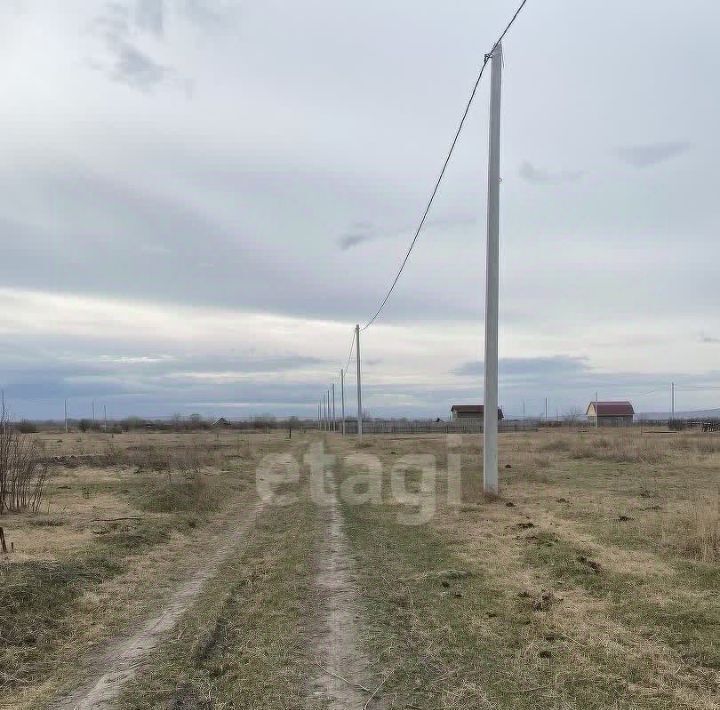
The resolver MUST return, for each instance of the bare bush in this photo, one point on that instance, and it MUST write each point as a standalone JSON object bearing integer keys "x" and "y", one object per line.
{"x": 22, "y": 471}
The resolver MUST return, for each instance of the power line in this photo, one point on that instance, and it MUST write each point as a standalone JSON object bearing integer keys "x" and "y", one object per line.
{"x": 352, "y": 345}
{"x": 445, "y": 164}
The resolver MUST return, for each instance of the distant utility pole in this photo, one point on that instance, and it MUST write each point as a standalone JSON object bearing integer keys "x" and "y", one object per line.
{"x": 329, "y": 420}
{"x": 333, "y": 408}
{"x": 672, "y": 401}
{"x": 492, "y": 283}
{"x": 319, "y": 418}
{"x": 359, "y": 383}
{"x": 546, "y": 408}
{"x": 105, "y": 415}
{"x": 523, "y": 409}
{"x": 597, "y": 418}
{"x": 66, "y": 419}
{"x": 93, "y": 411}
{"x": 342, "y": 399}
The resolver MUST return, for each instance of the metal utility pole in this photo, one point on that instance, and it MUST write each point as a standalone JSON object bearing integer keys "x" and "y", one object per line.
{"x": 492, "y": 284}
{"x": 342, "y": 399}
{"x": 333, "y": 408}
{"x": 359, "y": 383}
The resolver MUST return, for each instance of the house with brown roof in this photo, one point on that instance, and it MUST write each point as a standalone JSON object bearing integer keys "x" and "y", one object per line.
{"x": 471, "y": 411}
{"x": 610, "y": 413}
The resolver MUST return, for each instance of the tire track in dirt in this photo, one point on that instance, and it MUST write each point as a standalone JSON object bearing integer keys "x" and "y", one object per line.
{"x": 343, "y": 678}
{"x": 119, "y": 661}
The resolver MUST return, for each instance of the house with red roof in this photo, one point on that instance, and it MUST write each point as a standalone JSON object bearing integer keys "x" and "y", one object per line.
{"x": 610, "y": 413}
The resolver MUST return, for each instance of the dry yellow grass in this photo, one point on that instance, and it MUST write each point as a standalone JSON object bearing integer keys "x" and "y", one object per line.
{"x": 115, "y": 536}
{"x": 599, "y": 558}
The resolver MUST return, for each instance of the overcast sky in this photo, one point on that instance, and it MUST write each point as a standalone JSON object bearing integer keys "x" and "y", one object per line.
{"x": 200, "y": 198}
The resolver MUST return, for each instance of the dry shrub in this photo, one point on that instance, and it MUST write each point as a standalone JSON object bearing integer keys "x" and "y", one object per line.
{"x": 22, "y": 470}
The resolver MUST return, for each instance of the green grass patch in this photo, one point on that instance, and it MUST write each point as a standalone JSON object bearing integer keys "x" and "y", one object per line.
{"x": 243, "y": 643}
{"x": 36, "y": 599}
{"x": 691, "y": 626}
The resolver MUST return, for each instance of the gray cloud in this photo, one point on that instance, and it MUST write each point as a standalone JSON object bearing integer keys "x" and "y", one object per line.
{"x": 362, "y": 232}
{"x": 150, "y": 15}
{"x": 359, "y": 233}
{"x": 136, "y": 68}
{"x": 292, "y": 184}
{"x": 128, "y": 63}
{"x": 537, "y": 367}
{"x": 644, "y": 156}
{"x": 539, "y": 176}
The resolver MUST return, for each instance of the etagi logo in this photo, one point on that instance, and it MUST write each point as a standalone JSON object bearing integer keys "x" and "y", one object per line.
{"x": 413, "y": 480}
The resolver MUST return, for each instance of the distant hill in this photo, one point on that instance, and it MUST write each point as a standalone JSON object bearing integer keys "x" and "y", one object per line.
{"x": 694, "y": 414}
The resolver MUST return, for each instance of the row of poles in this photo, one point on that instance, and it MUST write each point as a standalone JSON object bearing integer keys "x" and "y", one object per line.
{"x": 327, "y": 419}
{"x": 67, "y": 420}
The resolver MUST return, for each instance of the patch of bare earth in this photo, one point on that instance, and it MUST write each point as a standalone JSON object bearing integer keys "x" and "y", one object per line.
{"x": 119, "y": 660}
{"x": 343, "y": 679}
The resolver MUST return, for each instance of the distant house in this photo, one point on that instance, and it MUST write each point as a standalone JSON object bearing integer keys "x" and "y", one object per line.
{"x": 221, "y": 422}
{"x": 471, "y": 411}
{"x": 610, "y": 413}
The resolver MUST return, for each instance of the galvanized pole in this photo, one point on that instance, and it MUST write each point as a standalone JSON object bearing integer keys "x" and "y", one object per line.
{"x": 333, "y": 408}
{"x": 359, "y": 383}
{"x": 342, "y": 399}
{"x": 492, "y": 284}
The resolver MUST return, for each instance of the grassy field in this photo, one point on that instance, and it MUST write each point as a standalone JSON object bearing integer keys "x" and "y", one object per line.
{"x": 124, "y": 520}
{"x": 591, "y": 582}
